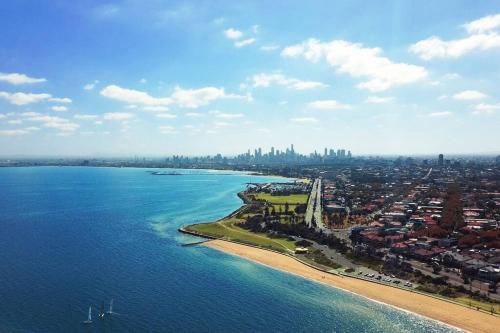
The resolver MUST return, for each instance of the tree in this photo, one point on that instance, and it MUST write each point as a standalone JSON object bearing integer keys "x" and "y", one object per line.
{"x": 452, "y": 211}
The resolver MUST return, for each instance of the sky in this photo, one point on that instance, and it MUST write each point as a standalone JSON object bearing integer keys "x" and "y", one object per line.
{"x": 156, "y": 78}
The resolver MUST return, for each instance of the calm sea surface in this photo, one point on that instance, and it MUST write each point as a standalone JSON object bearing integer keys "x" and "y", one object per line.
{"x": 72, "y": 237}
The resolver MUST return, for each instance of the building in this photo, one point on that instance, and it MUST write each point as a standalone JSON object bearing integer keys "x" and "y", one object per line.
{"x": 441, "y": 160}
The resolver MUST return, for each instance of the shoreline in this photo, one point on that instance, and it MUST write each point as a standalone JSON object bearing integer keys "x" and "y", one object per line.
{"x": 457, "y": 316}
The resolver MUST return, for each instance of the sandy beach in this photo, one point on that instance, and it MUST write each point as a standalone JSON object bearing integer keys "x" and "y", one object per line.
{"x": 452, "y": 314}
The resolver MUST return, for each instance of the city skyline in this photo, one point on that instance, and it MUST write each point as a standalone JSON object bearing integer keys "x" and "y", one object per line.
{"x": 181, "y": 78}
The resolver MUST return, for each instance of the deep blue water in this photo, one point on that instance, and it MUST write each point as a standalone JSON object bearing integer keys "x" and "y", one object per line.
{"x": 72, "y": 237}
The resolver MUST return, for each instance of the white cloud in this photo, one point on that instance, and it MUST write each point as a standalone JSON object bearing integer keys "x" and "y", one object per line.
{"x": 219, "y": 124}
{"x": 358, "y": 61}
{"x": 269, "y": 47}
{"x": 440, "y": 114}
{"x": 244, "y": 42}
{"x": 434, "y": 47}
{"x": 483, "y": 24}
{"x": 60, "y": 100}
{"x": 59, "y": 123}
{"x": 117, "y": 116}
{"x": 233, "y": 33}
{"x": 88, "y": 117}
{"x": 166, "y": 116}
{"x": 18, "y": 79}
{"x": 15, "y": 121}
{"x": 486, "y": 108}
{"x": 2, "y": 116}
{"x": 167, "y": 129}
{"x": 482, "y": 36}
{"x": 328, "y": 104}
{"x": 194, "y": 114}
{"x": 255, "y": 28}
{"x": 223, "y": 115}
{"x": 59, "y": 108}
{"x": 155, "y": 108}
{"x": 468, "y": 95}
{"x": 30, "y": 114}
{"x": 32, "y": 128}
{"x": 194, "y": 98}
{"x": 265, "y": 80}
{"x": 133, "y": 96}
{"x": 90, "y": 86}
{"x": 21, "y": 98}
{"x": 304, "y": 120}
{"x": 15, "y": 132}
{"x": 379, "y": 99}
{"x": 186, "y": 98}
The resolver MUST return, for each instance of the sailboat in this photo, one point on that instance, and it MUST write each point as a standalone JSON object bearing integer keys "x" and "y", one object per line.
{"x": 110, "y": 307}
{"x": 89, "y": 319}
{"x": 101, "y": 310}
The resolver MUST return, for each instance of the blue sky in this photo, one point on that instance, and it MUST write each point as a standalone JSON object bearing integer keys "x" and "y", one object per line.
{"x": 204, "y": 77}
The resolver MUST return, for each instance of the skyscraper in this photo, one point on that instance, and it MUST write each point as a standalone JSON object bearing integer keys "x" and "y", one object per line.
{"x": 441, "y": 160}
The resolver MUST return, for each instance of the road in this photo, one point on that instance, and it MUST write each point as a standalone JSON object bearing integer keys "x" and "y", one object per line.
{"x": 314, "y": 208}
{"x": 311, "y": 203}
{"x": 428, "y": 174}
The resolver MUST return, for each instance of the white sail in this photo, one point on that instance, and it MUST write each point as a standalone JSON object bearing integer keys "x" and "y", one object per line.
{"x": 111, "y": 306}
{"x": 89, "y": 318}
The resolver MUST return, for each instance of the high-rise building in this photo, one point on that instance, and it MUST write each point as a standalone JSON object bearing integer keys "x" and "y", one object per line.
{"x": 440, "y": 159}
{"x": 272, "y": 151}
{"x": 326, "y": 152}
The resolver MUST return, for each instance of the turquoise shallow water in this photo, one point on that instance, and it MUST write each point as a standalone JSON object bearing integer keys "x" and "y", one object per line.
{"x": 73, "y": 237}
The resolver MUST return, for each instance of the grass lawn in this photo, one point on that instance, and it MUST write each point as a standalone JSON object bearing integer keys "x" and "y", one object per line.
{"x": 282, "y": 199}
{"x": 229, "y": 229}
{"x": 478, "y": 304}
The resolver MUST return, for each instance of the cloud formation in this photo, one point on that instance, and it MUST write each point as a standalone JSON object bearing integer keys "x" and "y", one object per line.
{"x": 266, "y": 80}
{"x": 18, "y": 79}
{"x": 304, "y": 120}
{"x": 329, "y": 104}
{"x": 21, "y": 98}
{"x": 358, "y": 61}
{"x": 184, "y": 98}
{"x": 117, "y": 116}
{"x": 58, "y": 123}
{"x": 483, "y": 35}
{"x": 233, "y": 33}
{"x": 131, "y": 96}
{"x": 468, "y": 95}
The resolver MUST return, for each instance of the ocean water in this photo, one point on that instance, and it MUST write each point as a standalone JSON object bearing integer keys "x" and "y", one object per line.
{"x": 72, "y": 237}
